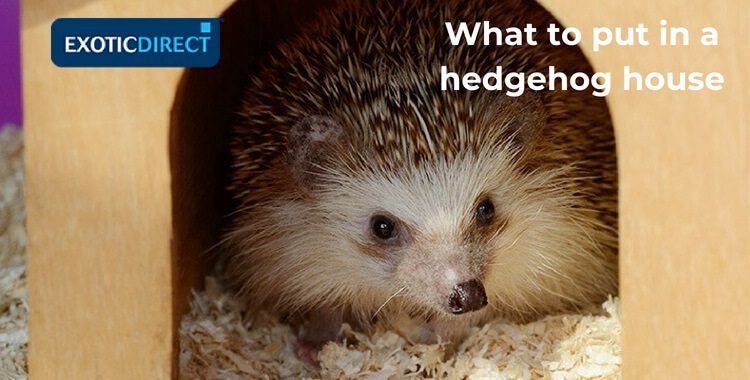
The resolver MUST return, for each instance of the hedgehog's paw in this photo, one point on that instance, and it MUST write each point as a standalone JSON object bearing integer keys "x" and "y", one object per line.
{"x": 308, "y": 352}
{"x": 322, "y": 325}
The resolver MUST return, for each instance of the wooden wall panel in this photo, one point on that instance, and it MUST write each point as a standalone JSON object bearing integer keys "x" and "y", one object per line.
{"x": 684, "y": 162}
{"x": 102, "y": 293}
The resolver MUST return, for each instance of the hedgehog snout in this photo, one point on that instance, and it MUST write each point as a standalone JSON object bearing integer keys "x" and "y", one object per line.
{"x": 466, "y": 297}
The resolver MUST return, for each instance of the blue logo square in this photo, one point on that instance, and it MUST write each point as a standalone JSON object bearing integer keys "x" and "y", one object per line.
{"x": 205, "y": 27}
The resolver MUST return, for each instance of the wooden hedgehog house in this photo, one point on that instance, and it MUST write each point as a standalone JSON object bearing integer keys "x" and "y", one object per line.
{"x": 123, "y": 185}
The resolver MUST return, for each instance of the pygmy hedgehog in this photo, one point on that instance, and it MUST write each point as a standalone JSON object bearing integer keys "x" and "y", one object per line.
{"x": 364, "y": 191}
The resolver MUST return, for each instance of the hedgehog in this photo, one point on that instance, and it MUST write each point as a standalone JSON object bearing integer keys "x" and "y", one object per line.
{"x": 364, "y": 192}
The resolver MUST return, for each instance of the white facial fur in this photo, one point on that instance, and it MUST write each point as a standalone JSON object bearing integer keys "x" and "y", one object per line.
{"x": 539, "y": 260}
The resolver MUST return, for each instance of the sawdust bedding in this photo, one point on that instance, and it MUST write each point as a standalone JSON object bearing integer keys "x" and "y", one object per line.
{"x": 219, "y": 341}
{"x": 14, "y": 308}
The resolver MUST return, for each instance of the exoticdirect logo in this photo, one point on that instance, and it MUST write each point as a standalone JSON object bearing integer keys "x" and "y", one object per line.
{"x": 135, "y": 42}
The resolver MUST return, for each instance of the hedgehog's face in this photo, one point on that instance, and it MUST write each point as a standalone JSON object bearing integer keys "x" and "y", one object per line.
{"x": 434, "y": 230}
{"x": 451, "y": 233}
{"x": 426, "y": 233}
{"x": 434, "y": 258}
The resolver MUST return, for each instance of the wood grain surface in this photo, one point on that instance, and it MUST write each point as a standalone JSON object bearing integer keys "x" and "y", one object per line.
{"x": 102, "y": 291}
{"x": 105, "y": 289}
{"x": 684, "y": 162}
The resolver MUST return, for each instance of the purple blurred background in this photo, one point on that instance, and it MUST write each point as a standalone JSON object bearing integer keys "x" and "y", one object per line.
{"x": 10, "y": 64}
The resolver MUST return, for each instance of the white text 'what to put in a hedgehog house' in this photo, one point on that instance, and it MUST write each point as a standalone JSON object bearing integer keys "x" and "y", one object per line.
{"x": 632, "y": 79}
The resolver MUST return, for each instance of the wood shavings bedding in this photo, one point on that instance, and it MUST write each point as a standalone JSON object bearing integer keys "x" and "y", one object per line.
{"x": 218, "y": 341}
{"x": 14, "y": 307}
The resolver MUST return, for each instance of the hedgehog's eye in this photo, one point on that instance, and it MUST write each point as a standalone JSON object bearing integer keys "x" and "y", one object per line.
{"x": 382, "y": 227}
{"x": 485, "y": 212}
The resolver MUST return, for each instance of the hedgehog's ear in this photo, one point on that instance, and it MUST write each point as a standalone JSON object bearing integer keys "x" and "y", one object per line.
{"x": 310, "y": 143}
{"x": 521, "y": 119}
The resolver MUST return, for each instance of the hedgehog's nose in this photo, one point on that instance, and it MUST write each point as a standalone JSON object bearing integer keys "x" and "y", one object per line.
{"x": 467, "y": 297}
